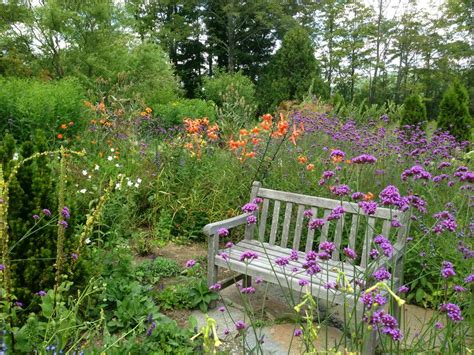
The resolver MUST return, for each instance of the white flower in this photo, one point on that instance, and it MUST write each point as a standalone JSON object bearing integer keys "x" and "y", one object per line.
{"x": 15, "y": 156}
{"x": 129, "y": 183}
{"x": 109, "y": 158}
{"x": 139, "y": 180}
{"x": 112, "y": 149}
{"x": 137, "y": 185}
{"x": 90, "y": 176}
{"x": 117, "y": 165}
{"x": 118, "y": 186}
{"x": 83, "y": 191}
{"x": 88, "y": 241}
{"x": 84, "y": 172}
{"x": 96, "y": 167}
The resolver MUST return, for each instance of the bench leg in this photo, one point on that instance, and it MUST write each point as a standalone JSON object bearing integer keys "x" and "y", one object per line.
{"x": 247, "y": 281}
{"x": 370, "y": 343}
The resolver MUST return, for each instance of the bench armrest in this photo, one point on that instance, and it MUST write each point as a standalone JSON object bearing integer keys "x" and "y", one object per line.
{"x": 398, "y": 249}
{"x": 211, "y": 228}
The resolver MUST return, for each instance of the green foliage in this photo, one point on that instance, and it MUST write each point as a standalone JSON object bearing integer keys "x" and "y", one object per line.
{"x": 201, "y": 296}
{"x": 27, "y": 105}
{"x": 291, "y": 72}
{"x": 414, "y": 111}
{"x": 150, "y": 271}
{"x": 454, "y": 112}
{"x": 173, "y": 113}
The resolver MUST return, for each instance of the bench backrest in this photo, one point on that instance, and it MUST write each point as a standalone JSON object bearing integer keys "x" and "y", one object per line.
{"x": 281, "y": 221}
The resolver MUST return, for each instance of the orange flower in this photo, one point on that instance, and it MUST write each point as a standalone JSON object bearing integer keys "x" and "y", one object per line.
{"x": 310, "y": 167}
{"x": 250, "y": 155}
{"x": 243, "y": 132}
{"x": 302, "y": 159}
{"x": 348, "y": 161}
{"x": 93, "y": 121}
{"x": 101, "y": 106}
{"x": 267, "y": 117}
{"x": 337, "y": 159}
{"x": 369, "y": 196}
{"x": 256, "y": 141}
{"x": 60, "y": 136}
{"x": 64, "y": 126}
{"x": 266, "y": 126}
{"x": 255, "y": 130}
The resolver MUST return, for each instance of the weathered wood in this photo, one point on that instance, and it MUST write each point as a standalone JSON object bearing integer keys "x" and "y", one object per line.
{"x": 349, "y": 207}
{"x": 263, "y": 220}
{"x": 386, "y": 228}
{"x": 310, "y": 236}
{"x": 286, "y": 225}
{"x": 369, "y": 232}
{"x": 353, "y": 232}
{"x": 212, "y": 247}
{"x": 298, "y": 227}
{"x": 230, "y": 280}
{"x": 325, "y": 229}
{"x": 276, "y": 217}
{"x": 229, "y": 223}
{"x": 338, "y": 238}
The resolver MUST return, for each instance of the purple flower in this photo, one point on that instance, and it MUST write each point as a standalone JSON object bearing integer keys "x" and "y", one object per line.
{"x": 417, "y": 172}
{"x": 250, "y": 207}
{"x": 336, "y": 213}
{"x": 251, "y": 219}
{"x": 229, "y": 245}
{"x": 282, "y": 261}
{"x": 190, "y": 263}
{"x": 41, "y": 293}
{"x": 458, "y": 288}
{"x": 248, "y": 290}
{"x": 298, "y": 332}
{"x": 337, "y": 155}
{"x": 65, "y": 212}
{"x": 439, "y": 325}
{"x": 316, "y": 223}
{"x": 453, "y": 311}
{"x": 258, "y": 280}
{"x": 382, "y": 274}
{"x": 391, "y": 196}
{"x": 369, "y": 207}
{"x": 223, "y": 232}
{"x": 248, "y": 255}
{"x": 64, "y": 224}
{"x": 374, "y": 254}
{"x": 226, "y": 332}
{"x": 224, "y": 255}
{"x": 350, "y": 253}
{"x": 294, "y": 255}
{"x": 331, "y": 285}
{"x": 46, "y": 212}
{"x": 150, "y": 330}
{"x": 221, "y": 309}
{"x": 447, "y": 270}
{"x": 403, "y": 289}
{"x": 308, "y": 213}
{"x": 364, "y": 159}
{"x": 74, "y": 256}
{"x": 341, "y": 190}
{"x": 303, "y": 282}
{"x": 215, "y": 287}
{"x": 328, "y": 247}
{"x": 240, "y": 325}
{"x": 357, "y": 196}
{"x": 395, "y": 223}
{"x": 19, "y": 304}
{"x": 469, "y": 279}
{"x": 2, "y": 267}
{"x": 257, "y": 200}
{"x": 36, "y": 217}
{"x": 328, "y": 174}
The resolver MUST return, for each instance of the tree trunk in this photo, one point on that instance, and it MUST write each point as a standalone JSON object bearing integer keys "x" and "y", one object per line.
{"x": 377, "y": 61}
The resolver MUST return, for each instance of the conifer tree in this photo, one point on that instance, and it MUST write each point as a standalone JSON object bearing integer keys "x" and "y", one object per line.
{"x": 414, "y": 111}
{"x": 454, "y": 112}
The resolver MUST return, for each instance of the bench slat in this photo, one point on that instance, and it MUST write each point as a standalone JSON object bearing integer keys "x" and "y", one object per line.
{"x": 263, "y": 220}
{"x": 350, "y": 207}
{"x": 325, "y": 229}
{"x": 276, "y": 216}
{"x": 353, "y": 232}
{"x": 386, "y": 228}
{"x": 310, "y": 236}
{"x": 338, "y": 238}
{"x": 299, "y": 227}
{"x": 369, "y": 232}
{"x": 286, "y": 225}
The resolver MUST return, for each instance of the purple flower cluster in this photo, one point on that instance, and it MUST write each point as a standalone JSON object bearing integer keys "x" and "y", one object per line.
{"x": 382, "y": 274}
{"x": 364, "y": 159}
{"x": 310, "y": 265}
{"x": 65, "y": 212}
{"x": 325, "y": 250}
{"x": 250, "y": 207}
{"x": 357, "y": 196}
{"x": 215, "y": 287}
{"x": 369, "y": 207}
{"x": 446, "y": 222}
{"x": 308, "y": 213}
{"x": 46, "y": 212}
{"x": 338, "y": 154}
{"x": 282, "y": 261}
{"x": 453, "y": 311}
{"x": 294, "y": 255}
{"x": 417, "y": 172}
{"x": 384, "y": 244}
{"x": 350, "y": 253}
{"x": 388, "y": 323}
{"x": 336, "y": 213}
{"x": 373, "y": 299}
{"x": 223, "y": 232}
{"x": 341, "y": 190}
{"x": 248, "y": 255}
{"x": 251, "y": 219}
{"x": 316, "y": 223}
{"x": 240, "y": 325}
{"x": 390, "y": 196}
{"x": 247, "y": 290}
{"x": 447, "y": 270}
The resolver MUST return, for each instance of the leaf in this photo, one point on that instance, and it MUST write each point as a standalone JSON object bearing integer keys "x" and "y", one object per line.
{"x": 419, "y": 295}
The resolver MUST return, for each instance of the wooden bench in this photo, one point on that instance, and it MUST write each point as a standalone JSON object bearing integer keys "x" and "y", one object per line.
{"x": 277, "y": 232}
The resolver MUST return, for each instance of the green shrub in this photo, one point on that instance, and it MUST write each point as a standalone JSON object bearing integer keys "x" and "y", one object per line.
{"x": 150, "y": 271}
{"x": 414, "y": 111}
{"x": 454, "y": 112}
{"x": 27, "y": 105}
{"x": 173, "y": 113}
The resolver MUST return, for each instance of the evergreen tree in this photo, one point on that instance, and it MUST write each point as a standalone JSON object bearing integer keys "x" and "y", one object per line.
{"x": 291, "y": 72}
{"x": 454, "y": 112}
{"x": 414, "y": 111}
